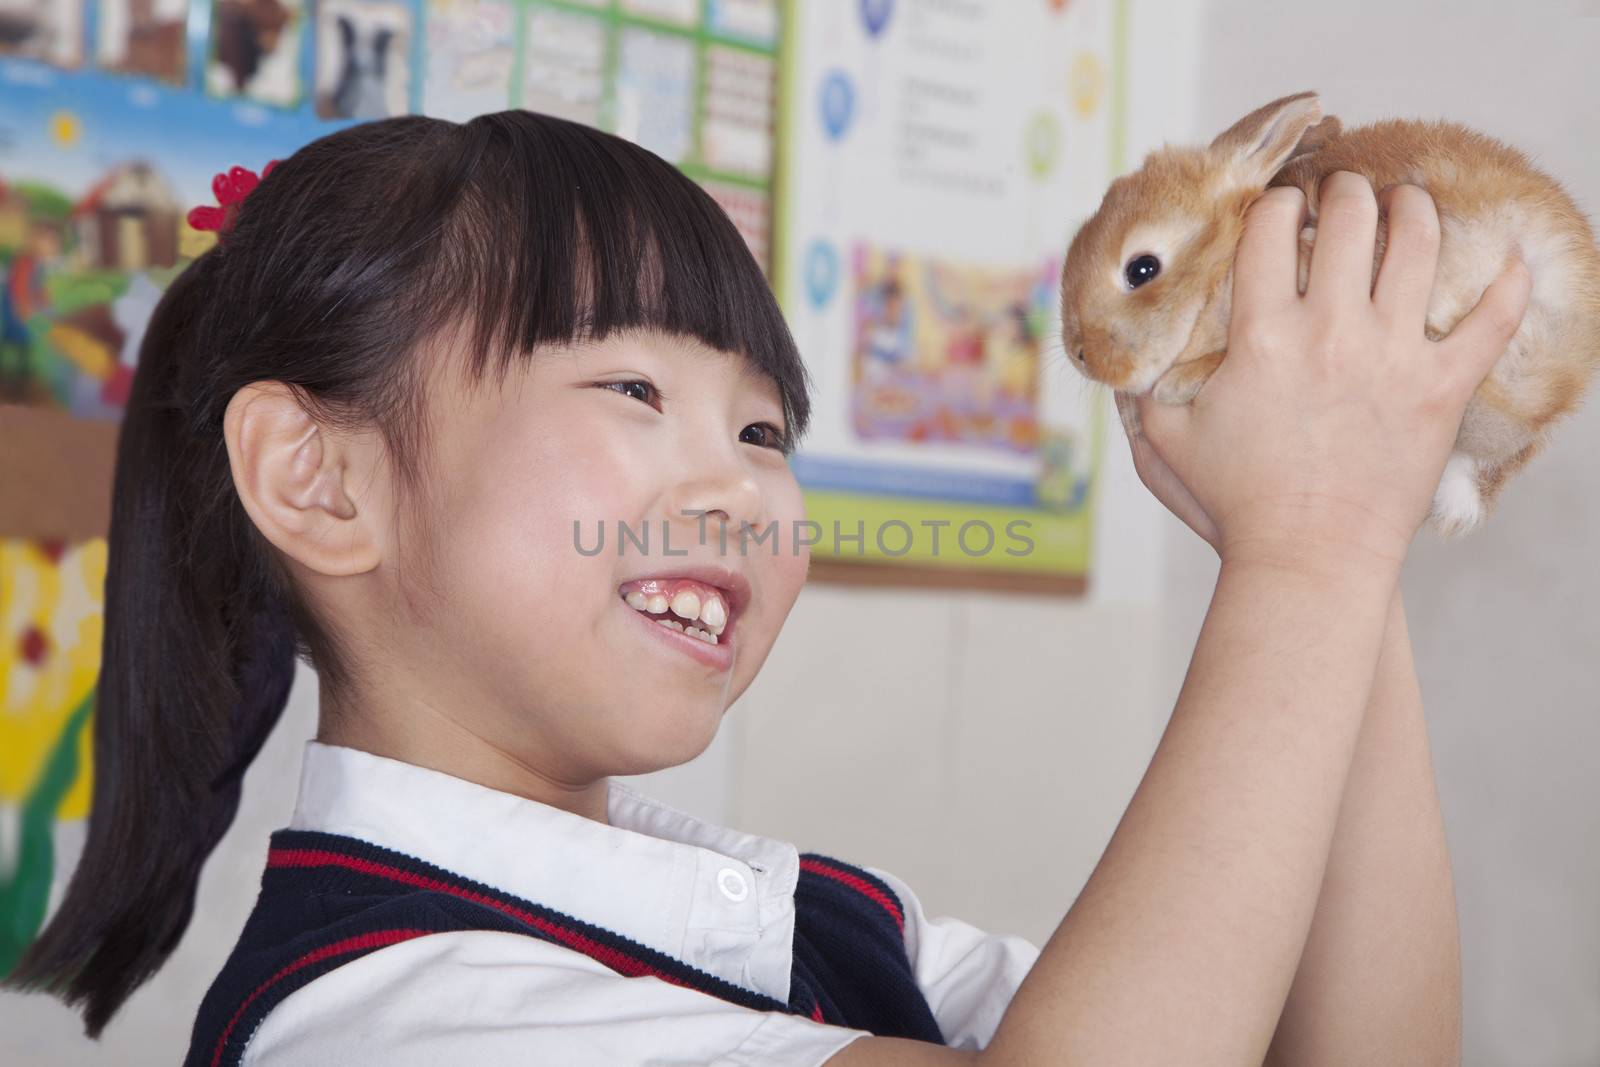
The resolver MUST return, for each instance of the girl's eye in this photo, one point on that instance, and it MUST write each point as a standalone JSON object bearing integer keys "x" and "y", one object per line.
{"x": 639, "y": 390}
{"x": 765, "y": 435}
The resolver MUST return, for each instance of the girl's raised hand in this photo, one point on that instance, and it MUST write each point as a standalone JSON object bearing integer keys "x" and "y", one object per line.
{"x": 1322, "y": 436}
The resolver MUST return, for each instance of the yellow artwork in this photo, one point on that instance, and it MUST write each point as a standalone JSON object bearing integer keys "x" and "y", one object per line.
{"x": 51, "y": 599}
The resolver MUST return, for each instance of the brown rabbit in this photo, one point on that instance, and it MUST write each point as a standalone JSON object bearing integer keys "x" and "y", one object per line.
{"x": 1148, "y": 279}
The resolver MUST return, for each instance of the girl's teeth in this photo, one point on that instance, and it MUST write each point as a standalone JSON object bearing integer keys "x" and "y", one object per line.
{"x": 686, "y": 605}
{"x": 702, "y": 619}
{"x": 692, "y": 631}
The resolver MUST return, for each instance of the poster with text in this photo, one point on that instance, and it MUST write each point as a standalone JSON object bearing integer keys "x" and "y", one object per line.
{"x": 937, "y": 157}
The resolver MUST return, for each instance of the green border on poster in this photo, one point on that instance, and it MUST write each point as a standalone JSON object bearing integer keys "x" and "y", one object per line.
{"x": 616, "y": 20}
{"x": 1061, "y": 542}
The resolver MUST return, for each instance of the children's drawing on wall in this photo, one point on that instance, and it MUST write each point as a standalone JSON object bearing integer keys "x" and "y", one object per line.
{"x": 48, "y": 30}
{"x": 78, "y": 277}
{"x": 255, "y": 50}
{"x": 363, "y": 59}
{"x": 145, "y": 37}
{"x": 947, "y": 353}
{"x": 51, "y": 599}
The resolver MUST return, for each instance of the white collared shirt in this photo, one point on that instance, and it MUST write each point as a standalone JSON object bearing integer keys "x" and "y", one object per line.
{"x": 715, "y": 898}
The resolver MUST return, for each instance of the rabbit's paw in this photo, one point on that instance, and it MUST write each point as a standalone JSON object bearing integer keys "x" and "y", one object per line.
{"x": 1458, "y": 503}
{"x": 1183, "y": 380}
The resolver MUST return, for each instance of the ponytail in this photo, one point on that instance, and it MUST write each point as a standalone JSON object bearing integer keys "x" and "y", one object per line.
{"x": 194, "y": 623}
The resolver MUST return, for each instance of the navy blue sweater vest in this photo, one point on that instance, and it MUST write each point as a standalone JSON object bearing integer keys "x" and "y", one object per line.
{"x": 327, "y": 899}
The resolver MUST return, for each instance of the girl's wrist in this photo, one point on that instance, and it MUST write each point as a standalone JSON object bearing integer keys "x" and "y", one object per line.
{"x": 1316, "y": 537}
{"x": 1313, "y": 564}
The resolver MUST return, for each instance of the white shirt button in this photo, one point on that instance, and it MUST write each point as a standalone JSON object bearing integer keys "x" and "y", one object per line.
{"x": 732, "y": 884}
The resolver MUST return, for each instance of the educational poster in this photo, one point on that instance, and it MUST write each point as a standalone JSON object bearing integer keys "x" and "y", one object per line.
{"x": 114, "y": 117}
{"x": 937, "y": 159}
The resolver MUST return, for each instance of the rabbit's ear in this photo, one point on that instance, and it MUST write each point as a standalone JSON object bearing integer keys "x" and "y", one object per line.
{"x": 1258, "y": 145}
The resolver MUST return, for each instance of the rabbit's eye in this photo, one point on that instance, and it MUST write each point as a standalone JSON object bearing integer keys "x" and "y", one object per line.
{"x": 1141, "y": 269}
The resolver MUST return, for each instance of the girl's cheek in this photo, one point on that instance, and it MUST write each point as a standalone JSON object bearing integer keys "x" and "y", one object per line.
{"x": 788, "y": 510}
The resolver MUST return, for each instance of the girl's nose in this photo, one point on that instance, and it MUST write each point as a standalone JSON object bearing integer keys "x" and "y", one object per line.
{"x": 729, "y": 496}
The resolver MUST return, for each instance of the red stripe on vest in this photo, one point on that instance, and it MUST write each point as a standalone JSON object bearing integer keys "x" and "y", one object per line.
{"x": 865, "y": 888}
{"x": 617, "y": 961}
{"x": 375, "y": 939}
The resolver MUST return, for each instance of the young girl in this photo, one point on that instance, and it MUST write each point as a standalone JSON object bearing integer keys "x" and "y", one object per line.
{"x": 490, "y": 422}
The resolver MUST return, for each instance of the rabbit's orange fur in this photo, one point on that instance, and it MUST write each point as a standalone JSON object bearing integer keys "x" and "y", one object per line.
{"x": 1187, "y": 206}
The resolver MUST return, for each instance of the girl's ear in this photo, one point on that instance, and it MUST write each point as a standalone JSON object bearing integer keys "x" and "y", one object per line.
{"x": 293, "y": 475}
{"x": 1258, "y": 145}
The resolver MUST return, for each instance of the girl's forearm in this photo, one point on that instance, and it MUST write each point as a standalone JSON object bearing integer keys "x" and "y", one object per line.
{"x": 1184, "y": 942}
{"x": 1380, "y": 981}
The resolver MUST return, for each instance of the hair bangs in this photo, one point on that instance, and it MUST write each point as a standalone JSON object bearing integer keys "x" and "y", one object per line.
{"x": 566, "y": 234}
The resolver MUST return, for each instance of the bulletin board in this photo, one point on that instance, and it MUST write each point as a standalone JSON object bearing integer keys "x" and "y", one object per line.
{"x": 935, "y": 160}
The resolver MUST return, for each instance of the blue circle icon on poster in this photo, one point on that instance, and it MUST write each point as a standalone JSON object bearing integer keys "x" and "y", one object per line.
{"x": 838, "y": 104}
{"x": 875, "y": 15}
{"x": 822, "y": 273}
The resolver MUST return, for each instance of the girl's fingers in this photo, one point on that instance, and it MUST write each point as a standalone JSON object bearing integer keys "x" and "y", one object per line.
{"x": 1410, "y": 256}
{"x": 1266, "y": 268}
{"x": 1347, "y": 231}
{"x": 1471, "y": 350}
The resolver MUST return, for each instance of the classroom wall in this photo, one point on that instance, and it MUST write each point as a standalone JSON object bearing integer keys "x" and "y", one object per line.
{"x": 1504, "y": 625}
{"x": 984, "y": 746}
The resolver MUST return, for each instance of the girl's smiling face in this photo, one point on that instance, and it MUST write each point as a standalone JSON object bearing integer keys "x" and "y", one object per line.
{"x": 522, "y": 636}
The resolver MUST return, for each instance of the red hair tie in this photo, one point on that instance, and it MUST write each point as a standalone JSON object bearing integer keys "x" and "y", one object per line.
{"x": 230, "y": 189}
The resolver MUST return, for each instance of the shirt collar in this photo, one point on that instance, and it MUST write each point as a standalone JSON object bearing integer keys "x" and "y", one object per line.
{"x": 713, "y": 897}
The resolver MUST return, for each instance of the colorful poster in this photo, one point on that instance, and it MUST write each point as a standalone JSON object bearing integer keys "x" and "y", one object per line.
{"x": 937, "y": 159}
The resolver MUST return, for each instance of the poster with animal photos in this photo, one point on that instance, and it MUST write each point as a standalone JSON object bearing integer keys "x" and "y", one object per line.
{"x": 50, "y": 31}
{"x": 255, "y": 50}
{"x": 936, "y": 159}
{"x": 363, "y": 59}
{"x": 145, "y": 37}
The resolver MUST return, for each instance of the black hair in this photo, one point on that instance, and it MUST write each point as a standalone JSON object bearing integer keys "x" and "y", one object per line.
{"x": 507, "y": 233}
